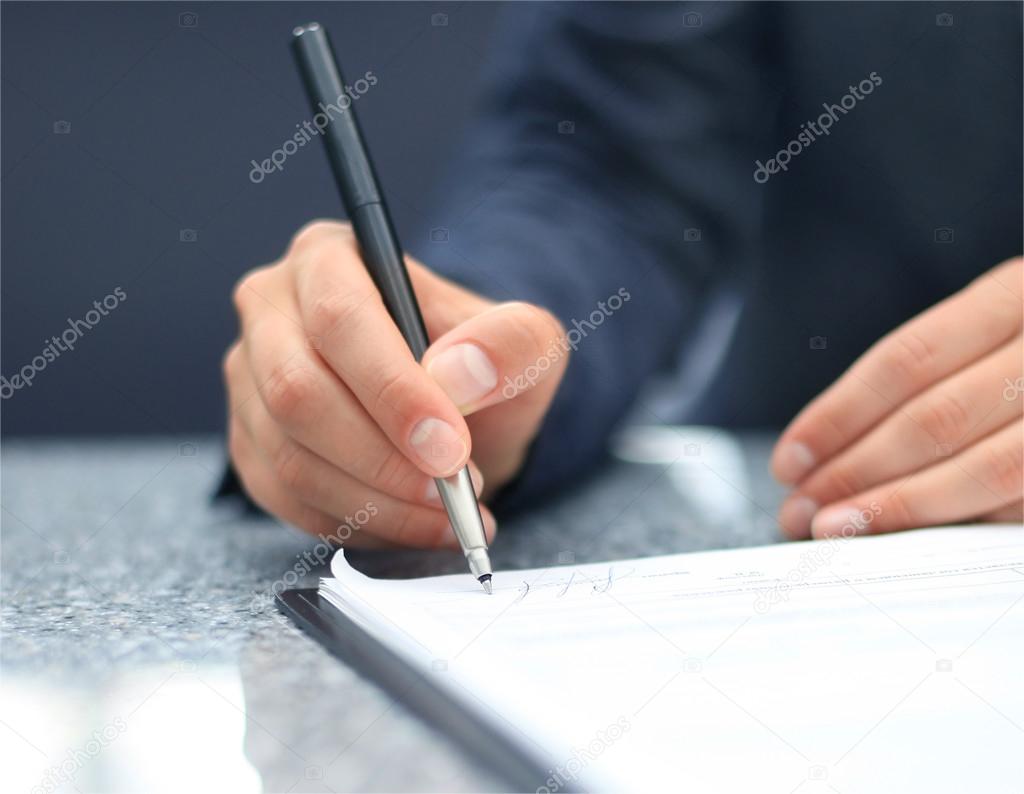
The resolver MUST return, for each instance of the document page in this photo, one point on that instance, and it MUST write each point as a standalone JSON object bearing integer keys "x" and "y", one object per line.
{"x": 887, "y": 663}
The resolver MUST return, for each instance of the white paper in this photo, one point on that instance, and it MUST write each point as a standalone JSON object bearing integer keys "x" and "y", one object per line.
{"x": 888, "y": 663}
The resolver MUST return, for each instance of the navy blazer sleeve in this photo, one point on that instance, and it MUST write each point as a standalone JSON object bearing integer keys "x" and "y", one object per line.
{"x": 612, "y": 157}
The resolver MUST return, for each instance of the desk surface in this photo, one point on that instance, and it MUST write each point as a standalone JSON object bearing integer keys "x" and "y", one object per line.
{"x": 141, "y": 650}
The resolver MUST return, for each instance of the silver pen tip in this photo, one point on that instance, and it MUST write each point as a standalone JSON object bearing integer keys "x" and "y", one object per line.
{"x": 485, "y": 580}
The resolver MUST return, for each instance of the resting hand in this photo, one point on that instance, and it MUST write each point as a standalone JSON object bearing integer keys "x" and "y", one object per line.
{"x": 924, "y": 429}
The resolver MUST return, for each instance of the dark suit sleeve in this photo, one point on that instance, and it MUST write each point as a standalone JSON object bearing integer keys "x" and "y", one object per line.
{"x": 614, "y": 155}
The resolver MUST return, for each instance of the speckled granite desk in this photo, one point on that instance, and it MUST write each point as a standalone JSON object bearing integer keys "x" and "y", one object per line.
{"x": 140, "y": 651}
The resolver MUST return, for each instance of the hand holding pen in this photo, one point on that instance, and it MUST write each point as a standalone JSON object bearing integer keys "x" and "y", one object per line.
{"x": 330, "y": 412}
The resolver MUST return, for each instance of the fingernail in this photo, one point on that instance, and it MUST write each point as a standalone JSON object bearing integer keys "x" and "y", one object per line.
{"x": 796, "y": 514}
{"x": 465, "y": 373}
{"x": 438, "y": 446}
{"x": 839, "y": 521}
{"x": 433, "y": 496}
{"x": 792, "y": 461}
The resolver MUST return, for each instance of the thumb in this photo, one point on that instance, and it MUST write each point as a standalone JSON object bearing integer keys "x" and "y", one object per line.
{"x": 494, "y": 356}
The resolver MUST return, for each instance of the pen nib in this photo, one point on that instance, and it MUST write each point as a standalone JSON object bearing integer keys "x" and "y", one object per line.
{"x": 485, "y": 580}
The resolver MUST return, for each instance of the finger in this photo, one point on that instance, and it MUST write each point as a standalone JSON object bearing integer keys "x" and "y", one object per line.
{"x": 945, "y": 419}
{"x": 259, "y": 484}
{"x": 444, "y": 303}
{"x": 302, "y": 402}
{"x": 341, "y": 307}
{"x": 308, "y": 492}
{"x": 1011, "y": 514}
{"x": 982, "y": 479}
{"x": 303, "y": 395}
{"x": 316, "y": 482}
{"x": 902, "y": 364}
{"x": 497, "y": 355}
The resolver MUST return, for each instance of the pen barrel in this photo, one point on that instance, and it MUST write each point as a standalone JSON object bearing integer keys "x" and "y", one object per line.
{"x": 325, "y": 86}
{"x": 382, "y": 256}
{"x": 357, "y": 182}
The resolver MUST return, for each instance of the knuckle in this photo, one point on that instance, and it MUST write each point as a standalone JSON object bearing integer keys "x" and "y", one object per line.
{"x": 390, "y": 473}
{"x": 1005, "y": 308}
{"x": 906, "y": 359}
{"x": 395, "y": 393}
{"x": 229, "y": 362}
{"x": 830, "y": 426}
{"x": 247, "y": 288}
{"x": 412, "y": 530}
{"x": 293, "y": 471}
{"x": 291, "y": 395}
{"x": 313, "y": 522}
{"x": 236, "y": 448}
{"x": 945, "y": 417}
{"x": 538, "y": 324}
{"x": 842, "y": 478}
{"x": 331, "y": 313}
{"x": 899, "y": 512}
{"x": 318, "y": 230}
{"x": 1003, "y": 471}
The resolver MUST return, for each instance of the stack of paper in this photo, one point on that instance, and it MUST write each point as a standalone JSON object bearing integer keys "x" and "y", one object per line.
{"x": 889, "y": 663}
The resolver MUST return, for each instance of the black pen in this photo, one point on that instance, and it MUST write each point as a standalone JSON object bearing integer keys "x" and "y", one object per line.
{"x": 382, "y": 255}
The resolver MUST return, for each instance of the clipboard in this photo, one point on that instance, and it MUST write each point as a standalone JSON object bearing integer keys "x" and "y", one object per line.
{"x": 344, "y": 639}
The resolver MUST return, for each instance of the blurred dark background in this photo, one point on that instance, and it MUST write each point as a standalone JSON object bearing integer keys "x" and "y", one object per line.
{"x": 128, "y": 131}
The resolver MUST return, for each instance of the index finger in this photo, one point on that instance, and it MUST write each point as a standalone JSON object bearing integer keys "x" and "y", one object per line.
{"x": 899, "y": 366}
{"x": 341, "y": 308}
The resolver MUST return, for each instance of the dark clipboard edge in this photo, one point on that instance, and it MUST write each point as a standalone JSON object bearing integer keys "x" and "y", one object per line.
{"x": 347, "y": 641}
